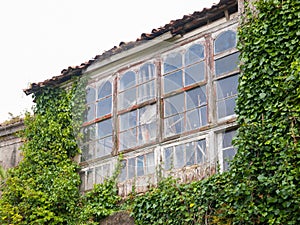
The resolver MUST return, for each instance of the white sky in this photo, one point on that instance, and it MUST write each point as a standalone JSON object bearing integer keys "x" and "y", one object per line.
{"x": 38, "y": 38}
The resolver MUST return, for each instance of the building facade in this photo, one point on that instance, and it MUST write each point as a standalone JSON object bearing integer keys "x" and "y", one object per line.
{"x": 164, "y": 102}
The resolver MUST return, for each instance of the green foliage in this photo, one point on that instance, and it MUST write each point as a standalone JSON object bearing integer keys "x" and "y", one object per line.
{"x": 43, "y": 188}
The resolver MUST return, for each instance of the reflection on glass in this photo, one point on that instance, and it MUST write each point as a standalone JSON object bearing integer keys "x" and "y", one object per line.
{"x": 127, "y": 80}
{"x": 104, "y": 90}
{"x": 194, "y": 74}
{"x": 225, "y": 41}
{"x": 194, "y": 54}
{"x": 104, "y": 107}
{"x": 173, "y": 81}
{"x": 172, "y": 62}
{"x": 227, "y": 64}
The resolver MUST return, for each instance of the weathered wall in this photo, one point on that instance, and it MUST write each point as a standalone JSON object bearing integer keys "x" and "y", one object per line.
{"x": 10, "y": 143}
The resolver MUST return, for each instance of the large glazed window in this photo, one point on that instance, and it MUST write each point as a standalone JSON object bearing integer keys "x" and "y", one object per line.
{"x": 98, "y": 129}
{"x": 187, "y": 154}
{"x": 136, "y": 87}
{"x": 226, "y": 58}
{"x": 183, "y": 69}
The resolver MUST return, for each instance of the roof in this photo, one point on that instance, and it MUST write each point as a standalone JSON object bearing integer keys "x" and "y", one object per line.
{"x": 175, "y": 27}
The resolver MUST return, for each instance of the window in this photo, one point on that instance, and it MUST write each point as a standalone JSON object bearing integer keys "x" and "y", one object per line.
{"x": 227, "y": 149}
{"x": 137, "y": 127}
{"x": 226, "y": 60}
{"x": 182, "y": 70}
{"x": 187, "y": 154}
{"x": 137, "y": 166}
{"x": 185, "y": 111}
{"x": 97, "y": 137}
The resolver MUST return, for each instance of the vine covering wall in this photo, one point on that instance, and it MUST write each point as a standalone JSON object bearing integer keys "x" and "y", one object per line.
{"x": 261, "y": 187}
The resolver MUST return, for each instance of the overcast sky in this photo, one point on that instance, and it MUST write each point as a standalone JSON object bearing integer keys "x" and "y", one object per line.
{"x": 39, "y": 38}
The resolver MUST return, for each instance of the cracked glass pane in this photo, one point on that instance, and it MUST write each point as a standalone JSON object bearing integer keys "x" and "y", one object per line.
{"x": 201, "y": 151}
{"x": 196, "y": 97}
{"x": 225, "y": 41}
{"x": 172, "y": 62}
{"x": 147, "y": 133}
{"x": 174, "y": 105}
{"x": 194, "y": 74}
{"x": 173, "y": 81}
{"x": 194, "y": 54}
{"x": 174, "y": 125}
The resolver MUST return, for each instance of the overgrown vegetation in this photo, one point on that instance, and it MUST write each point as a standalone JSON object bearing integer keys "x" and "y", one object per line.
{"x": 262, "y": 186}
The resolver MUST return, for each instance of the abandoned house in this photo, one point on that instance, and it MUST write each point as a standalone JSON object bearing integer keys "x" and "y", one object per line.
{"x": 165, "y": 101}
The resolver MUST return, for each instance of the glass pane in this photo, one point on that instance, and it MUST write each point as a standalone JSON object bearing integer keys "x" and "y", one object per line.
{"x": 123, "y": 174}
{"x": 227, "y": 87}
{"x": 194, "y": 54}
{"x": 174, "y": 125}
{"x": 89, "y": 133}
{"x": 90, "y": 95}
{"x": 128, "y": 139}
{"x": 147, "y": 114}
{"x": 127, "y": 80}
{"x": 179, "y": 161}
{"x": 104, "y": 147}
{"x": 128, "y": 120}
{"x": 203, "y": 116}
{"x": 90, "y": 112}
{"x": 193, "y": 120}
{"x": 173, "y": 81}
{"x": 104, "y": 128}
{"x": 196, "y": 97}
{"x": 146, "y": 92}
{"x": 174, "y": 105}
{"x": 104, "y": 107}
{"x": 140, "y": 166}
{"x": 226, "y": 107}
{"x": 146, "y": 72}
{"x": 127, "y": 98}
{"x": 227, "y": 64}
{"x": 172, "y": 62}
{"x": 87, "y": 152}
{"x": 102, "y": 173}
{"x": 90, "y": 179}
{"x": 104, "y": 90}
{"x": 150, "y": 163}
{"x": 201, "y": 151}
{"x": 190, "y": 154}
{"x": 131, "y": 168}
{"x": 225, "y": 41}
{"x": 194, "y": 74}
{"x": 227, "y": 138}
{"x": 147, "y": 133}
{"x": 228, "y": 155}
{"x": 168, "y": 158}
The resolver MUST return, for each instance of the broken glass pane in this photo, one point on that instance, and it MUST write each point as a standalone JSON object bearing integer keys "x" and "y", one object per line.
{"x": 190, "y": 153}
{"x": 194, "y": 54}
{"x": 140, "y": 166}
{"x": 131, "y": 168}
{"x": 174, "y": 104}
{"x": 104, "y": 147}
{"x": 150, "y": 163}
{"x": 174, "y": 125}
{"x": 194, "y": 74}
{"x": 168, "y": 162}
{"x": 128, "y": 120}
{"x": 225, "y": 41}
{"x": 146, "y": 72}
{"x": 128, "y": 139}
{"x": 179, "y": 161}
{"x": 227, "y": 87}
{"x": 201, "y": 151}
{"x": 90, "y": 95}
{"x": 104, "y": 128}
{"x": 104, "y": 107}
{"x": 227, "y": 64}
{"x": 196, "y": 97}
{"x": 228, "y": 155}
{"x": 226, "y": 107}
{"x": 104, "y": 90}
{"x": 146, "y": 92}
{"x": 173, "y": 81}
{"x": 127, "y": 80}
{"x": 127, "y": 99}
{"x": 172, "y": 62}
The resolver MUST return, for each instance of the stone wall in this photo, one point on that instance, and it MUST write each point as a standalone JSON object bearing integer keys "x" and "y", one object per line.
{"x": 10, "y": 143}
